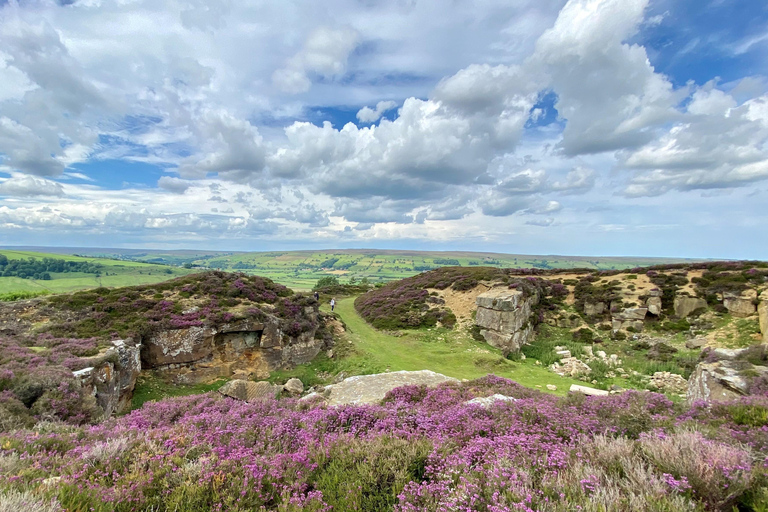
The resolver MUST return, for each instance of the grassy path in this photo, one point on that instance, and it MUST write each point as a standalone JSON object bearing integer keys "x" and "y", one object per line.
{"x": 451, "y": 352}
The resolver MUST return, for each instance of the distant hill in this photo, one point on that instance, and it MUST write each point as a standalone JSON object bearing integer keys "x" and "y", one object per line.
{"x": 301, "y": 269}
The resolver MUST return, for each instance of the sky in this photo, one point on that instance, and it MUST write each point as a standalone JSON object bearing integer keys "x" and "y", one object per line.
{"x": 580, "y": 127}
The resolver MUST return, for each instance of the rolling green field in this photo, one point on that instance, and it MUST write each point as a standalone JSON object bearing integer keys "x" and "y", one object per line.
{"x": 299, "y": 270}
{"x": 114, "y": 274}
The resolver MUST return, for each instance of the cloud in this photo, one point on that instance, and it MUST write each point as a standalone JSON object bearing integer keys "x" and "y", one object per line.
{"x": 175, "y": 185}
{"x": 369, "y": 115}
{"x": 325, "y": 53}
{"x": 28, "y": 186}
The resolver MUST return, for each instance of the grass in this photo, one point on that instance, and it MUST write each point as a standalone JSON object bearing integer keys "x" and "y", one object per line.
{"x": 115, "y": 274}
{"x": 365, "y": 350}
{"x": 151, "y": 388}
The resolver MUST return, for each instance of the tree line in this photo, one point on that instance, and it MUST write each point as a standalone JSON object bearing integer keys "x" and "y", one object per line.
{"x": 32, "y": 268}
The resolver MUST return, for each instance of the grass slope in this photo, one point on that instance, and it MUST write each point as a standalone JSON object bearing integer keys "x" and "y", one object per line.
{"x": 365, "y": 350}
{"x": 115, "y": 274}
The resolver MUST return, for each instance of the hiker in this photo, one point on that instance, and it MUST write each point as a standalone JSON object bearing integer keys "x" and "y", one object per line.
{"x": 317, "y": 295}
{"x": 333, "y": 304}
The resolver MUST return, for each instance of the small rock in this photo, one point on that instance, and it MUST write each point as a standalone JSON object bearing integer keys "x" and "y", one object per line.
{"x": 551, "y": 387}
{"x": 329, "y": 353}
{"x": 487, "y": 401}
{"x": 696, "y": 343}
{"x": 601, "y": 354}
{"x": 294, "y": 386}
{"x": 587, "y": 390}
{"x": 249, "y": 391}
{"x": 563, "y": 354}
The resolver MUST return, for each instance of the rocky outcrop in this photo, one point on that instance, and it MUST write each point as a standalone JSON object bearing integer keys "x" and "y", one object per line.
{"x": 685, "y": 305}
{"x": 653, "y": 303}
{"x": 369, "y": 389}
{"x": 762, "y": 313}
{"x": 740, "y": 304}
{"x": 722, "y": 380}
{"x": 244, "y": 348}
{"x": 571, "y": 367}
{"x": 629, "y": 318}
{"x": 594, "y": 309}
{"x": 667, "y": 382}
{"x": 249, "y": 391}
{"x": 112, "y": 376}
{"x": 504, "y": 317}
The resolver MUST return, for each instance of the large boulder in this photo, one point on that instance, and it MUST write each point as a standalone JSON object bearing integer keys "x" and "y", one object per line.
{"x": 685, "y": 305}
{"x": 594, "y": 309}
{"x": 762, "y": 312}
{"x": 504, "y": 317}
{"x": 369, "y": 389}
{"x": 111, "y": 376}
{"x": 740, "y": 304}
{"x": 249, "y": 391}
{"x": 654, "y": 305}
{"x": 722, "y": 380}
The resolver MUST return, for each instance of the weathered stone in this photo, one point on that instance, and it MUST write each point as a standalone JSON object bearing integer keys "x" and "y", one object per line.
{"x": 504, "y": 316}
{"x": 294, "y": 386}
{"x": 368, "y": 389}
{"x": 762, "y": 312}
{"x": 740, "y": 305}
{"x": 551, "y": 387}
{"x": 563, "y": 353}
{"x": 587, "y": 351}
{"x": 594, "y": 309}
{"x": 632, "y": 314}
{"x": 177, "y": 346}
{"x": 728, "y": 354}
{"x": 668, "y": 382}
{"x": 696, "y": 343}
{"x": 587, "y": 390}
{"x": 487, "y": 401}
{"x": 655, "y": 293}
{"x": 721, "y": 380}
{"x": 654, "y": 305}
{"x": 112, "y": 376}
{"x": 684, "y": 305}
{"x": 249, "y": 391}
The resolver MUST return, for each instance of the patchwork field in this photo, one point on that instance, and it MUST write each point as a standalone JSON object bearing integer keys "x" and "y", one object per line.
{"x": 112, "y": 273}
{"x": 300, "y": 270}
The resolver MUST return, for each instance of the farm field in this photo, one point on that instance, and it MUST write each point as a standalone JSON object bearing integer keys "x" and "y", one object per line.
{"x": 300, "y": 270}
{"x": 114, "y": 274}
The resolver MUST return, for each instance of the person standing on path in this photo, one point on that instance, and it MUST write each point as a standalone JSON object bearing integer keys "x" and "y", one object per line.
{"x": 333, "y": 304}
{"x": 317, "y": 295}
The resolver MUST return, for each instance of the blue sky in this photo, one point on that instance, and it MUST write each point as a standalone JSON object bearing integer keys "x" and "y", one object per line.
{"x": 594, "y": 127}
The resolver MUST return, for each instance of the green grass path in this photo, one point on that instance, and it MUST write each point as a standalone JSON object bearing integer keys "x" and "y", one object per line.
{"x": 450, "y": 352}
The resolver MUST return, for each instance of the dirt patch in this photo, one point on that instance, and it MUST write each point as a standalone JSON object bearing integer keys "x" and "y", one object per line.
{"x": 463, "y": 303}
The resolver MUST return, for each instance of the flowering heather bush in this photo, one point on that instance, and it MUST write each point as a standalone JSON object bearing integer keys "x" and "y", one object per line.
{"x": 422, "y": 449}
{"x": 189, "y": 301}
{"x": 404, "y": 304}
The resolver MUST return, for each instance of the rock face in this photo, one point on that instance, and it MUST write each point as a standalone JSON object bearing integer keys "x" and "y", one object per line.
{"x": 741, "y": 305}
{"x": 113, "y": 376}
{"x": 629, "y": 318}
{"x": 504, "y": 317}
{"x": 249, "y": 391}
{"x": 721, "y": 380}
{"x": 369, "y": 389}
{"x": 684, "y": 305}
{"x": 762, "y": 312}
{"x": 245, "y": 348}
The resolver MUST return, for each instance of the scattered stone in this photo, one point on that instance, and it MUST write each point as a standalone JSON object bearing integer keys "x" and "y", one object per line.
{"x": 601, "y": 354}
{"x": 551, "y": 387}
{"x": 487, "y": 401}
{"x": 249, "y": 391}
{"x": 587, "y": 390}
{"x": 571, "y": 367}
{"x": 587, "y": 351}
{"x": 564, "y": 354}
{"x": 668, "y": 382}
{"x": 294, "y": 386}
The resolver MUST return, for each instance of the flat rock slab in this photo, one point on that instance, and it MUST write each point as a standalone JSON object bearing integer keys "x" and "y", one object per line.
{"x": 487, "y": 401}
{"x": 369, "y": 389}
{"x": 249, "y": 391}
{"x": 588, "y": 391}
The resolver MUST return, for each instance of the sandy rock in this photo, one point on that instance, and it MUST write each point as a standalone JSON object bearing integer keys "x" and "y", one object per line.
{"x": 684, "y": 305}
{"x": 698, "y": 342}
{"x": 488, "y": 401}
{"x": 294, "y": 386}
{"x": 588, "y": 351}
{"x": 368, "y": 389}
{"x": 587, "y": 390}
{"x": 594, "y": 309}
{"x": 740, "y": 305}
{"x": 249, "y": 391}
{"x": 551, "y": 387}
{"x": 654, "y": 305}
{"x": 504, "y": 318}
{"x": 632, "y": 314}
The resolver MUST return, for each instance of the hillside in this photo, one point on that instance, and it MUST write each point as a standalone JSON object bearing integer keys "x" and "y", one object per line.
{"x": 301, "y": 269}
{"x": 70, "y": 273}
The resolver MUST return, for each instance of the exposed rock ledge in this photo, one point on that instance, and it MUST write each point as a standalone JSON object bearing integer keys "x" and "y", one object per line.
{"x": 504, "y": 317}
{"x": 370, "y": 389}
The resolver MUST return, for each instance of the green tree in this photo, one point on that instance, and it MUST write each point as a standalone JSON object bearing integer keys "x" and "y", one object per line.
{"x": 325, "y": 282}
